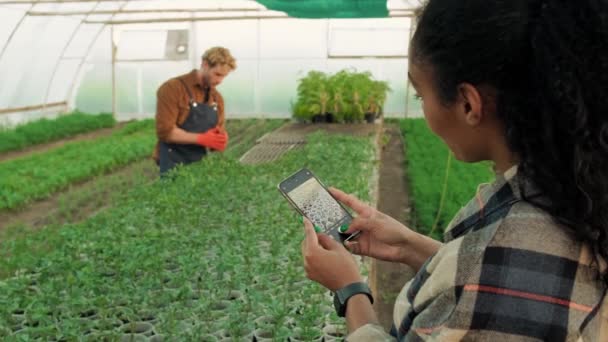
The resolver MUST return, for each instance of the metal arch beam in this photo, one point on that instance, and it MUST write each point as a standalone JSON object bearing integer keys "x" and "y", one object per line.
{"x": 144, "y": 11}
{"x": 184, "y": 19}
{"x": 189, "y": 19}
{"x": 84, "y": 58}
{"x": 33, "y": 107}
{"x": 70, "y": 92}
{"x": 408, "y": 83}
{"x": 63, "y": 51}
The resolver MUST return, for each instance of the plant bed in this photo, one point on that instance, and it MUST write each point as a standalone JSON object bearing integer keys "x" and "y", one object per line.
{"x": 38, "y": 176}
{"x": 142, "y": 328}
{"x": 137, "y": 236}
{"x": 79, "y": 201}
{"x": 426, "y": 160}
{"x": 46, "y": 130}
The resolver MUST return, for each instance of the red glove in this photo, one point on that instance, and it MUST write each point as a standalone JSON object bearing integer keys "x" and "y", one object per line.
{"x": 214, "y": 139}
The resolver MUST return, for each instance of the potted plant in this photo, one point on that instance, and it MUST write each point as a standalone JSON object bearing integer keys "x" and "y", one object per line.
{"x": 311, "y": 104}
{"x": 313, "y": 334}
{"x": 337, "y": 104}
{"x": 359, "y": 86}
{"x": 377, "y": 97}
{"x": 138, "y": 328}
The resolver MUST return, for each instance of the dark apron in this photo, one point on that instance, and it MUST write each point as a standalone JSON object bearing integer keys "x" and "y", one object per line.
{"x": 201, "y": 118}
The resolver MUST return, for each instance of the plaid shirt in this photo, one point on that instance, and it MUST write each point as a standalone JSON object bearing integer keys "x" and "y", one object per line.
{"x": 507, "y": 271}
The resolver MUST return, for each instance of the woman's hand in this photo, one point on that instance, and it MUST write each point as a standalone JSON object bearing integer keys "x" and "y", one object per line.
{"x": 383, "y": 237}
{"x": 326, "y": 261}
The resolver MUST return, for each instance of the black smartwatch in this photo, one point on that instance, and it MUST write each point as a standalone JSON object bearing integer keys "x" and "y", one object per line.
{"x": 342, "y": 296}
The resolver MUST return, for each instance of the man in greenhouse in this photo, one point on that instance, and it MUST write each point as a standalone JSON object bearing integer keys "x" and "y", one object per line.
{"x": 190, "y": 112}
{"x": 521, "y": 83}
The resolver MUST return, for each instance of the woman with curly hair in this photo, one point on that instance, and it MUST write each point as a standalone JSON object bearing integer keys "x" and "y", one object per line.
{"x": 522, "y": 83}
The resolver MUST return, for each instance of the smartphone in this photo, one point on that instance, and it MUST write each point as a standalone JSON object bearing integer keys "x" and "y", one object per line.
{"x": 310, "y": 198}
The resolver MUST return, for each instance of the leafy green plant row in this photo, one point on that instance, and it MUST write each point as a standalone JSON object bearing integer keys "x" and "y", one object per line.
{"x": 344, "y": 96}
{"x": 426, "y": 161}
{"x": 214, "y": 250}
{"x": 46, "y": 130}
{"x": 79, "y": 202}
{"x": 38, "y": 175}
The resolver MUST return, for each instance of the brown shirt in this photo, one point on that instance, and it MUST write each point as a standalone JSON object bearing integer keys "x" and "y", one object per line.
{"x": 172, "y": 105}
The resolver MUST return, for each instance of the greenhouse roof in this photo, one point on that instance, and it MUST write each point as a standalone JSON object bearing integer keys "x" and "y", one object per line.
{"x": 145, "y": 11}
{"x": 53, "y": 53}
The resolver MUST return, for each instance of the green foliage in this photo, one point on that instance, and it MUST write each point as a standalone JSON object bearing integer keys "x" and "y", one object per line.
{"x": 347, "y": 94}
{"x": 37, "y": 176}
{"x": 358, "y": 88}
{"x": 426, "y": 158}
{"x": 338, "y": 103}
{"x": 178, "y": 250}
{"x": 46, "y": 130}
{"x": 378, "y": 94}
{"x": 78, "y": 202}
{"x": 312, "y": 96}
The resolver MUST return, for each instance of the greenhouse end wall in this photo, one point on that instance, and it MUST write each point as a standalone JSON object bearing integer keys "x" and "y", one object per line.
{"x": 271, "y": 56}
{"x": 78, "y": 68}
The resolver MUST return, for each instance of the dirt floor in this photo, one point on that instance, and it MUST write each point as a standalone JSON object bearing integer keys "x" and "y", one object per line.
{"x": 81, "y": 200}
{"x": 387, "y": 279}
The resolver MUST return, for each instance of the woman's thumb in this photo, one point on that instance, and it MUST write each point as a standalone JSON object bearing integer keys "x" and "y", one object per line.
{"x": 327, "y": 242}
{"x": 358, "y": 224}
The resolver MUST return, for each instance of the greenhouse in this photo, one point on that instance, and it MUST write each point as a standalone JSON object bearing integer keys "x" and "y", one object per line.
{"x": 117, "y": 227}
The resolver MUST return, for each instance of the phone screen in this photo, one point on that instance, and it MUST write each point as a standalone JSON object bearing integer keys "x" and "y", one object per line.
{"x": 318, "y": 205}
{"x": 311, "y": 199}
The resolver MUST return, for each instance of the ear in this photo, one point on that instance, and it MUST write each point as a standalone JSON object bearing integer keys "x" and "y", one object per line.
{"x": 472, "y": 104}
{"x": 205, "y": 65}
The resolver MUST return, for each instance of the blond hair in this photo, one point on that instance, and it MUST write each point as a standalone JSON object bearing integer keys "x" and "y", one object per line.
{"x": 218, "y": 55}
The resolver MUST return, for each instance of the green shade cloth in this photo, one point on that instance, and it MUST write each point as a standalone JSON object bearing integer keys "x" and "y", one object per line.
{"x": 329, "y": 8}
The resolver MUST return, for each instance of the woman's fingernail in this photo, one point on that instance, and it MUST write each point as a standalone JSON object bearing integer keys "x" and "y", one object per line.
{"x": 317, "y": 229}
{"x": 343, "y": 228}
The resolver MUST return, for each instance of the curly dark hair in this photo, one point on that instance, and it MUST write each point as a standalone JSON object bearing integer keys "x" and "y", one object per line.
{"x": 547, "y": 62}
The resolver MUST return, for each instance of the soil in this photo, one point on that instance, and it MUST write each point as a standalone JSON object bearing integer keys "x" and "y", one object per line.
{"x": 83, "y": 200}
{"x": 386, "y": 278}
{"x": 58, "y": 143}
{"x": 78, "y": 207}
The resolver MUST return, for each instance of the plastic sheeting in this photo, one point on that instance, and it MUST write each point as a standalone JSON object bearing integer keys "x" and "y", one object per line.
{"x": 55, "y": 55}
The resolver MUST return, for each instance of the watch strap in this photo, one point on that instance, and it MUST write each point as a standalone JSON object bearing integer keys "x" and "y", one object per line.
{"x": 342, "y": 296}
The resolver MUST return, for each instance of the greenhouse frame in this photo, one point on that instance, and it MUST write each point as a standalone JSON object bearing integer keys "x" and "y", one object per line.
{"x": 110, "y": 56}
{"x": 284, "y": 170}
